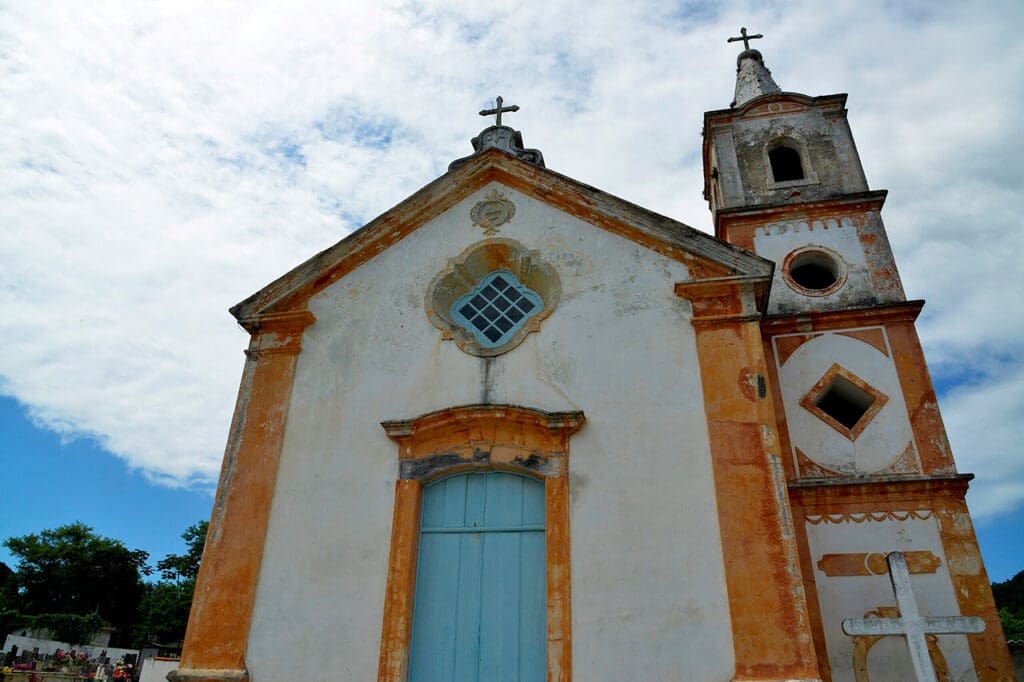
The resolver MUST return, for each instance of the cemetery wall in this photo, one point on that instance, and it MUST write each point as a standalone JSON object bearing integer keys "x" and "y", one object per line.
{"x": 47, "y": 647}
{"x": 155, "y": 669}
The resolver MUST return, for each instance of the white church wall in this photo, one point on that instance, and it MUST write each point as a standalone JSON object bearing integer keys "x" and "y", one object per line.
{"x": 648, "y": 588}
{"x": 846, "y": 596}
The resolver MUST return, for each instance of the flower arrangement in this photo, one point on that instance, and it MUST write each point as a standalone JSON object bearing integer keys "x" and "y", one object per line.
{"x": 121, "y": 672}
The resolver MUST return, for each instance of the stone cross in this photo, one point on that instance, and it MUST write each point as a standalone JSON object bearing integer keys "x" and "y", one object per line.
{"x": 745, "y": 38}
{"x": 499, "y": 110}
{"x": 911, "y": 624}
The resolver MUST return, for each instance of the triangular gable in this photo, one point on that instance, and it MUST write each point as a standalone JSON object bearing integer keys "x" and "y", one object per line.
{"x": 705, "y": 256}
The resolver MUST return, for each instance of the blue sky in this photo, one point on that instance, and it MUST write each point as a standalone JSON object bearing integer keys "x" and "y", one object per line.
{"x": 51, "y": 482}
{"x": 161, "y": 162}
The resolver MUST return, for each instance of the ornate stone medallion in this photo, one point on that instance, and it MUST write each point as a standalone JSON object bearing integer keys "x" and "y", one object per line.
{"x": 492, "y": 296}
{"x": 494, "y": 210}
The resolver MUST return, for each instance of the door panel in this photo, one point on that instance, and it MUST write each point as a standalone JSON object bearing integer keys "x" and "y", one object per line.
{"x": 480, "y": 602}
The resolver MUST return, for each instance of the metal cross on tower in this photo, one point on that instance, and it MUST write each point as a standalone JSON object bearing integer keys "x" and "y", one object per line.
{"x": 911, "y": 624}
{"x": 745, "y": 38}
{"x": 499, "y": 110}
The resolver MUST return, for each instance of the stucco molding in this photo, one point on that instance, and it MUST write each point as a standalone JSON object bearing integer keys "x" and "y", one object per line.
{"x": 469, "y": 268}
{"x": 207, "y": 675}
{"x": 827, "y": 320}
{"x": 277, "y": 332}
{"x": 726, "y": 299}
{"x": 509, "y": 435}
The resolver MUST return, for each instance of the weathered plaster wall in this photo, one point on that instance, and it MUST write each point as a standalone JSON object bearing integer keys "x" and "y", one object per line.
{"x": 851, "y": 596}
{"x": 869, "y": 272}
{"x": 888, "y": 435}
{"x": 648, "y": 591}
{"x": 829, "y": 156}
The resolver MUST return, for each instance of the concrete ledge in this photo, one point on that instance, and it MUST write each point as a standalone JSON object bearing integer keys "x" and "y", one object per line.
{"x": 207, "y": 675}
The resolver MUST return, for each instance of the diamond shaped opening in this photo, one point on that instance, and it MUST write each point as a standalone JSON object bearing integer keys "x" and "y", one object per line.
{"x": 844, "y": 401}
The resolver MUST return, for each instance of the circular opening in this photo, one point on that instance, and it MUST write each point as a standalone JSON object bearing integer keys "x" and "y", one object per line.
{"x": 814, "y": 270}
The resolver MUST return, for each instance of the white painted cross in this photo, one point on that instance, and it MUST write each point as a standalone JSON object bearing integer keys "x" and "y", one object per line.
{"x": 911, "y": 624}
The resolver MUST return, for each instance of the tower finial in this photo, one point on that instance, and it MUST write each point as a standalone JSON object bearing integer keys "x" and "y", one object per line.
{"x": 499, "y": 110}
{"x": 745, "y": 38}
{"x": 500, "y": 137}
{"x": 753, "y": 78}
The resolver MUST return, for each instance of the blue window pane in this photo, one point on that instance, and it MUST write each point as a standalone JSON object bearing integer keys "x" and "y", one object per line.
{"x": 496, "y": 308}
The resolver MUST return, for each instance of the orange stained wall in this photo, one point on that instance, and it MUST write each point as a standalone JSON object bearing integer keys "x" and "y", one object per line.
{"x": 221, "y": 612}
{"x": 944, "y": 496}
{"x": 772, "y": 637}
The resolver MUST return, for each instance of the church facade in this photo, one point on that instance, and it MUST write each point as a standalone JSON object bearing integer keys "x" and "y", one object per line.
{"x": 516, "y": 428}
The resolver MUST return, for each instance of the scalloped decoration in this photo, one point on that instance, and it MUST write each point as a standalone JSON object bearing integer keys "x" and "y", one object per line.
{"x": 465, "y": 272}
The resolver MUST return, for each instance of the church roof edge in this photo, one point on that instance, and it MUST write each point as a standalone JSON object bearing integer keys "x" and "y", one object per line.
{"x": 586, "y": 202}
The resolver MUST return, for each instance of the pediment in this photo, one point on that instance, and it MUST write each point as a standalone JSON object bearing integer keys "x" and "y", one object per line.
{"x": 704, "y": 255}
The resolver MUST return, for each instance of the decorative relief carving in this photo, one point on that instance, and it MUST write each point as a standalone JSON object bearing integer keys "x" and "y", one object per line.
{"x": 906, "y": 463}
{"x": 861, "y": 517}
{"x": 862, "y": 645}
{"x": 863, "y": 563}
{"x": 808, "y": 468}
{"x": 466, "y": 271}
{"x": 496, "y": 209}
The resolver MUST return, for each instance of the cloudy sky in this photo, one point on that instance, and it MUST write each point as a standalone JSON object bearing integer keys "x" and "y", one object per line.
{"x": 161, "y": 161}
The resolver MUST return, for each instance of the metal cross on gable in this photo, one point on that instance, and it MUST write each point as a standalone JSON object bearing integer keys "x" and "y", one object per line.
{"x": 911, "y": 624}
{"x": 745, "y": 38}
{"x": 499, "y": 110}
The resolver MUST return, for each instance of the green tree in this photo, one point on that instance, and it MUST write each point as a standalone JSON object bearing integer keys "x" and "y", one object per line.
{"x": 186, "y": 566}
{"x": 71, "y": 570}
{"x": 163, "y": 613}
{"x": 1009, "y": 596}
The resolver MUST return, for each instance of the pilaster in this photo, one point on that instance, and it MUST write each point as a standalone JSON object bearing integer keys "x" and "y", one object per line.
{"x": 218, "y": 627}
{"x": 771, "y": 629}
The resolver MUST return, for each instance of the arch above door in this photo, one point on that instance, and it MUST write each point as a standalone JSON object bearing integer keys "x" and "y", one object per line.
{"x": 513, "y": 438}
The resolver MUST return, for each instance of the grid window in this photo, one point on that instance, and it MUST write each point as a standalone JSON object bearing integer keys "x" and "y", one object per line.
{"x": 496, "y": 308}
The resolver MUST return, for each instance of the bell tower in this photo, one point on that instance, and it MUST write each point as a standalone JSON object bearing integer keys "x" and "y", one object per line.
{"x": 783, "y": 178}
{"x": 868, "y": 466}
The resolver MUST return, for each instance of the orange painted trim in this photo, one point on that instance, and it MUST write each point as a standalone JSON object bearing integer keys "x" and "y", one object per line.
{"x": 405, "y": 538}
{"x": 772, "y": 636}
{"x": 474, "y": 437}
{"x": 922, "y": 403}
{"x": 559, "y": 594}
{"x": 218, "y": 626}
{"x": 972, "y": 589}
{"x": 873, "y": 336}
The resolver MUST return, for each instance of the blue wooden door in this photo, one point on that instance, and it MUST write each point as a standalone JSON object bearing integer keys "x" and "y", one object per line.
{"x": 479, "y": 613}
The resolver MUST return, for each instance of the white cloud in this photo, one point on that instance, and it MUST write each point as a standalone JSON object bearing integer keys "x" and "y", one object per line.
{"x": 160, "y": 162}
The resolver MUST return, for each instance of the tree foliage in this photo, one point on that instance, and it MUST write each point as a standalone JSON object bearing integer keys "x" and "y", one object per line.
{"x": 163, "y": 613}
{"x": 186, "y": 566}
{"x": 68, "y": 627}
{"x": 71, "y": 570}
{"x": 70, "y": 581}
{"x": 1009, "y": 596}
